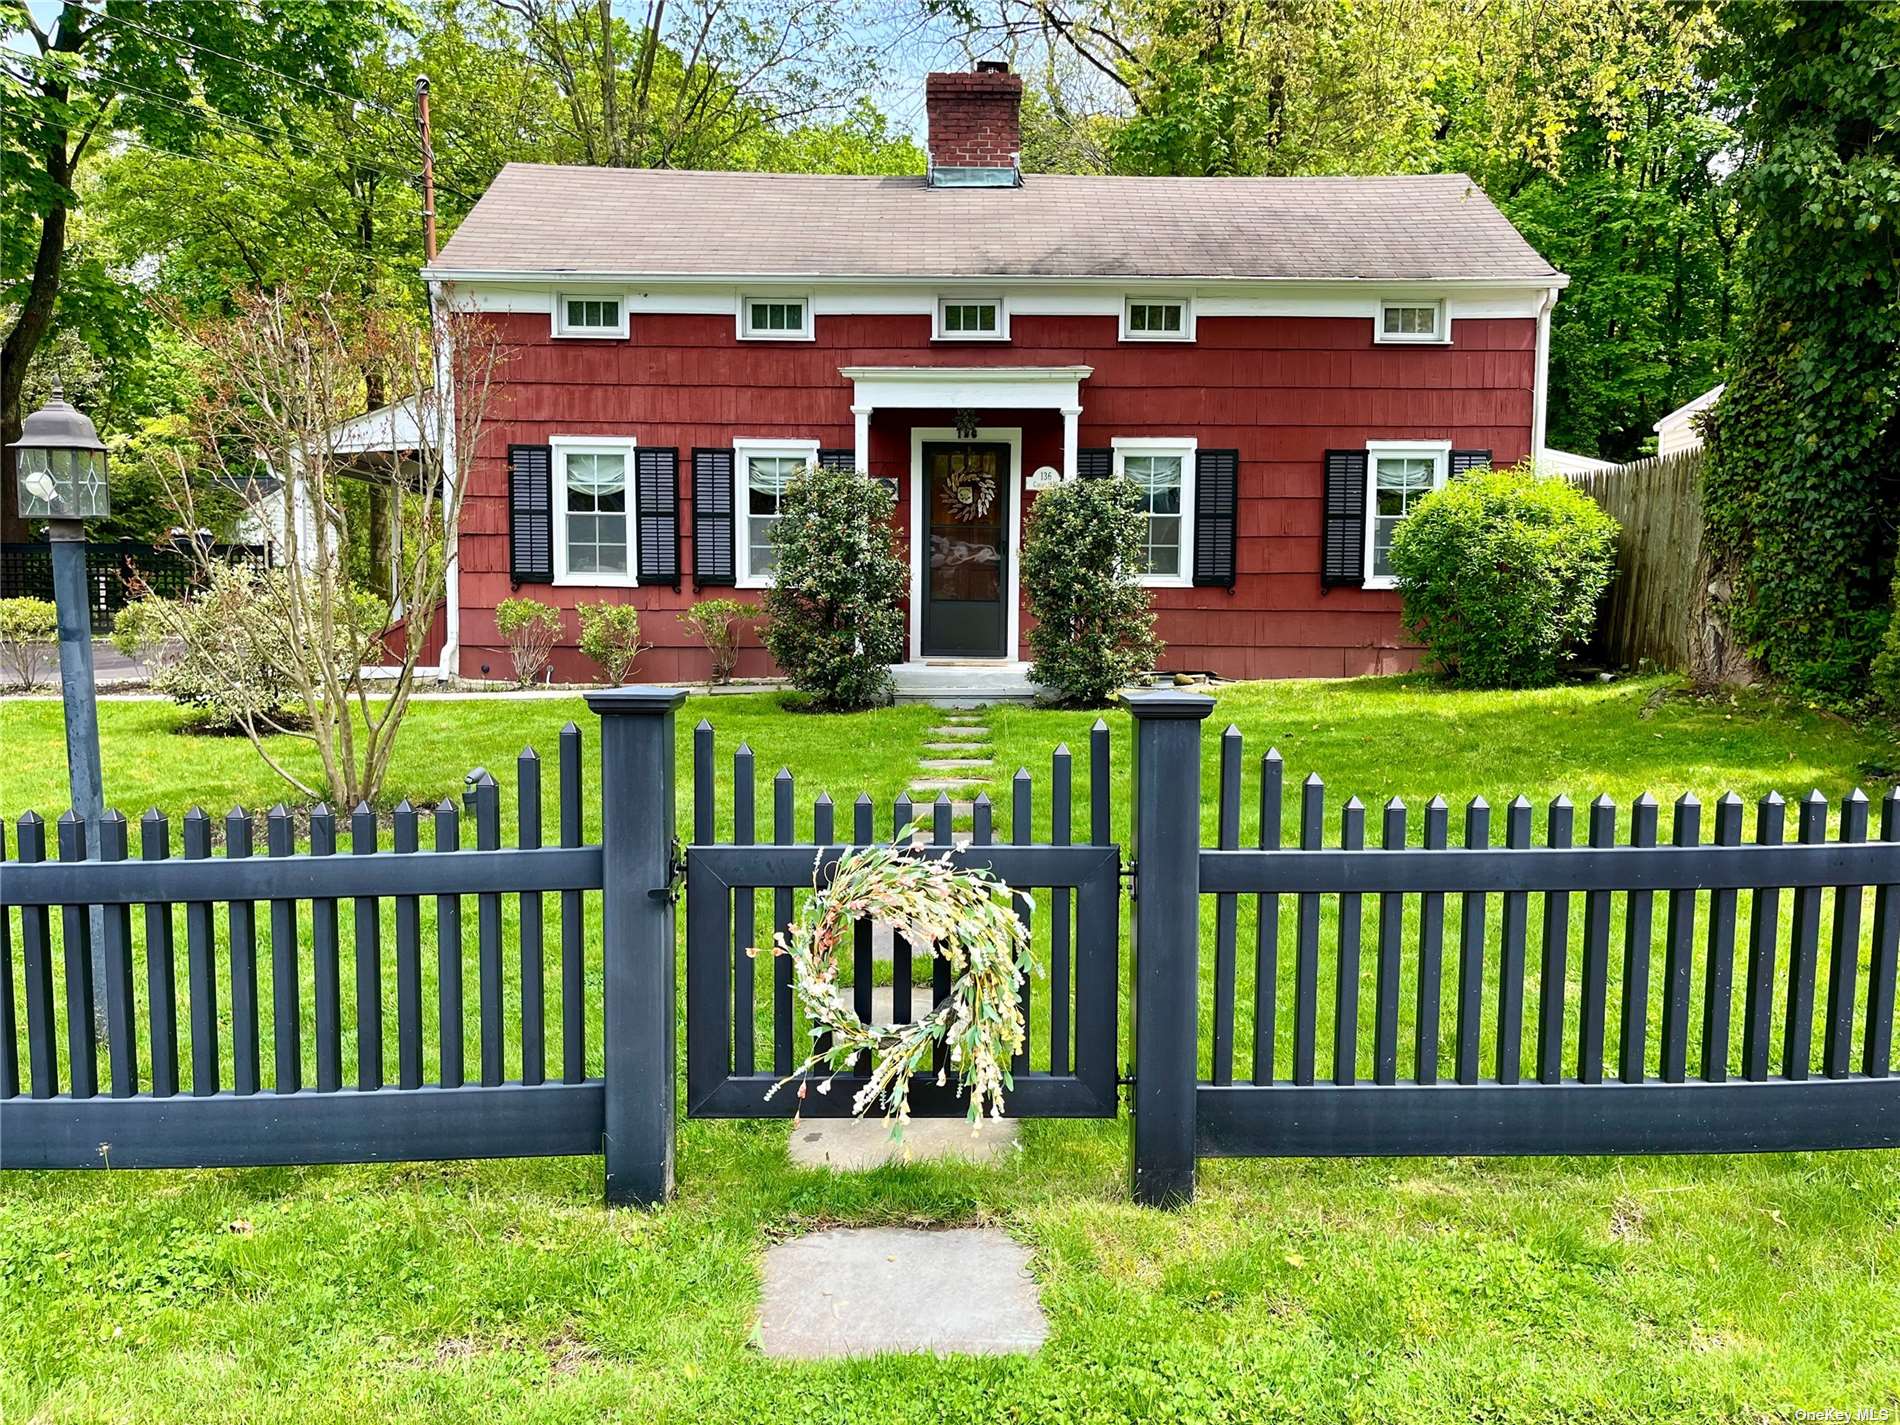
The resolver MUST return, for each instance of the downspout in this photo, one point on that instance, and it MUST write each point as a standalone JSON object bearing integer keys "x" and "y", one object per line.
{"x": 1540, "y": 381}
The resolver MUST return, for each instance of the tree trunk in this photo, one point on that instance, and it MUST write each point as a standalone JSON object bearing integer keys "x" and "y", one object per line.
{"x": 35, "y": 320}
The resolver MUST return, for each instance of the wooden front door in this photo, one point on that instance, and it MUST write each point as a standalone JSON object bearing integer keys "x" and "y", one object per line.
{"x": 965, "y": 575}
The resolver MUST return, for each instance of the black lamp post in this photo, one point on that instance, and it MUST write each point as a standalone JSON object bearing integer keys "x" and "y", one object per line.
{"x": 62, "y": 480}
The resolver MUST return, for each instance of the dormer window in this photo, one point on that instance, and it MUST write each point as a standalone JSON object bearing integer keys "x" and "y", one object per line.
{"x": 1412, "y": 320}
{"x": 1157, "y": 319}
{"x": 971, "y": 319}
{"x": 580, "y": 315}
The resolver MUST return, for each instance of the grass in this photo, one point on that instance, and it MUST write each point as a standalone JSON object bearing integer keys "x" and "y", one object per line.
{"x": 1736, "y": 1288}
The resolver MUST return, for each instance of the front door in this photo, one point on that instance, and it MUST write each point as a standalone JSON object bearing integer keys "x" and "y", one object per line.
{"x": 966, "y": 544}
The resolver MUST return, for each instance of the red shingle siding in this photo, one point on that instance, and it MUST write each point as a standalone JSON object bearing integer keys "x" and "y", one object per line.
{"x": 1281, "y": 390}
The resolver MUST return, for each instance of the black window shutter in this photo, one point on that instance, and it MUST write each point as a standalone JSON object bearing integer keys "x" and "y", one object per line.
{"x": 1094, "y": 464}
{"x": 530, "y": 514}
{"x": 838, "y": 459}
{"x": 657, "y": 506}
{"x": 712, "y": 517}
{"x": 1344, "y": 553}
{"x": 1216, "y": 498}
{"x": 1463, "y": 460}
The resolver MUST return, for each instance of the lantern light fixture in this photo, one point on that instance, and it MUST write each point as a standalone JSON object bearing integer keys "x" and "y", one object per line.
{"x": 61, "y": 464}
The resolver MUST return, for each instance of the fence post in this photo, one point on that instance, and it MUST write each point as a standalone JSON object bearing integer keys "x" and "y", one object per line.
{"x": 637, "y": 943}
{"x": 1166, "y": 845}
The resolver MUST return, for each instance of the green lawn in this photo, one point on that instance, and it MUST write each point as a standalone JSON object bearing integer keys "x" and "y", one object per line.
{"x": 1580, "y": 1289}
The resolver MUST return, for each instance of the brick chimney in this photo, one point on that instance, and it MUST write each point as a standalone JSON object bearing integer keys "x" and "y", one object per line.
{"x": 976, "y": 127}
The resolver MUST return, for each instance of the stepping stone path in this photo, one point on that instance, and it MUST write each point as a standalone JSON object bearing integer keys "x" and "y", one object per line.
{"x": 860, "y": 1291}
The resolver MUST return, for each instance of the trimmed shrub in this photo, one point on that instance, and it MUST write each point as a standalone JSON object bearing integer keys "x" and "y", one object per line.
{"x": 29, "y": 639}
{"x": 1501, "y": 573}
{"x": 531, "y": 628}
{"x": 717, "y": 622}
{"x": 233, "y": 652}
{"x": 610, "y": 635}
{"x": 836, "y": 621}
{"x": 1095, "y": 625}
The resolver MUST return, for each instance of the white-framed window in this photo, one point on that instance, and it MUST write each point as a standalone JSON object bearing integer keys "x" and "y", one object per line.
{"x": 1399, "y": 473}
{"x": 593, "y": 504}
{"x": 1412, "y": 319}
{"x": 1157, "y": 319}
{"x": 589, "y": 314}
{"x": 1162, "y": 468}
{"x": 762, "y": 469}
{"x": 781, "y": 318}
{"x": 971, "y": 319}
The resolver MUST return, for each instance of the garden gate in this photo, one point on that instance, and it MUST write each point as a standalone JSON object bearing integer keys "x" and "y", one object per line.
{"x": 1584, "y": 1053}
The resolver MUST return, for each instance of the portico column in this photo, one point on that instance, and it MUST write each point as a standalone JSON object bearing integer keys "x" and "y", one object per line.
{"x": 1071, "y": 420}
{"x": 862, "y": 458}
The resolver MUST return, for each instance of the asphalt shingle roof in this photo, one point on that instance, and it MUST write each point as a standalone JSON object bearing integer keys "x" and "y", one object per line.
{"x": 625, "y": 222}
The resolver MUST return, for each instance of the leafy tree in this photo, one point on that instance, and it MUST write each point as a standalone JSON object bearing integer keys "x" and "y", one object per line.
{"x": 153, "y": 75}
{"x": 1803, "y": 489}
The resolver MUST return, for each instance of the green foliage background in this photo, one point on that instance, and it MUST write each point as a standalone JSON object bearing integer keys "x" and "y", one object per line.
{"x": 1804, "y": 480}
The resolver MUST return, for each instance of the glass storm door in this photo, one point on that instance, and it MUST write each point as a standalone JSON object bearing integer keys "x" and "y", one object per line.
{"x": 966, "y": 529}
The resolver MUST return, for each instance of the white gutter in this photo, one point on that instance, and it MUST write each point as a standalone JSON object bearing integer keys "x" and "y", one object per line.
{"x": 1034, "y": 279}
{"x": 1540, "y": 386}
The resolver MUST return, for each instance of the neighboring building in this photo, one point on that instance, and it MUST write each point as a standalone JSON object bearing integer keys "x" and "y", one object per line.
{"x": 1564, "y": 462}
{"x": 1283, "y": 366}
{"x": 1677, "y": 431}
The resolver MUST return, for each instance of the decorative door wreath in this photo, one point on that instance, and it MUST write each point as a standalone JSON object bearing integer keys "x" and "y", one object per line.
{"x": 972, "y": 493}
{"x": 965, "y": 916}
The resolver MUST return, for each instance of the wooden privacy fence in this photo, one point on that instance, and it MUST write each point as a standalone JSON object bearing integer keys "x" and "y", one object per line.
{"x": 1666, "y": 603}
{"x": 1573, "y": 1095}
{"x": 1508, "y": 999}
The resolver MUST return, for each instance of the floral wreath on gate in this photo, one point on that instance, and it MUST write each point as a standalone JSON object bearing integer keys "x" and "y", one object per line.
{"x": 966, "y": 916}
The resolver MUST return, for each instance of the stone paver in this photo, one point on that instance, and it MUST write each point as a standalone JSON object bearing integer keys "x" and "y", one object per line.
{"x": 952, "y": 764}
{"x": 855, "y": 1145}
{"x": 931, "y": 785}
{"x": 977, "y": 733}
{"x": 955, "y": 747}
{"x": 860, "y": 1291}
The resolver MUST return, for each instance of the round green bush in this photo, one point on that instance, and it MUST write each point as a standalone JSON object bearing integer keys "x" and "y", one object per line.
{"x": 1501, "y": 573}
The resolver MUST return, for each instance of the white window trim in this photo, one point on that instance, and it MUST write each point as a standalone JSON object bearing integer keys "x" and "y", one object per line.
{"x": 945, "y": 299}
{"x": 562, "y": 329}
{"x": 1441, "y": 338}
{"x": 742, "y": 450}
{"x": 1184, "y": 446}
{"x": 563, "y": 446}
{"x": 746, "y": 333}
{"x": 1136, "y": 299}
{"x": 1439, "y": 450}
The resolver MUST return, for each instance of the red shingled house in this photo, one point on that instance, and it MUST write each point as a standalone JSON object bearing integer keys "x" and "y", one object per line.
{"x": 1282, "y": 365}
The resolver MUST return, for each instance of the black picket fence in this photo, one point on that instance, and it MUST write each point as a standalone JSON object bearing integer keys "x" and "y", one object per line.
{"x": 116, "y": 573}
{"x": 1581, "y": 1051}
{"x": 1641, "y": 1100}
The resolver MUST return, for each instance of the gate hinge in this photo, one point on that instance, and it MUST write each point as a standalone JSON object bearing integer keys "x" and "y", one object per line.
{"x": 1127, "y": 873}
{"x": 675, "y": 875}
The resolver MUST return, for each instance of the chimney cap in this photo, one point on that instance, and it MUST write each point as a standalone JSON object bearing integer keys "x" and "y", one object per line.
{"x": 992, "y": 66}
